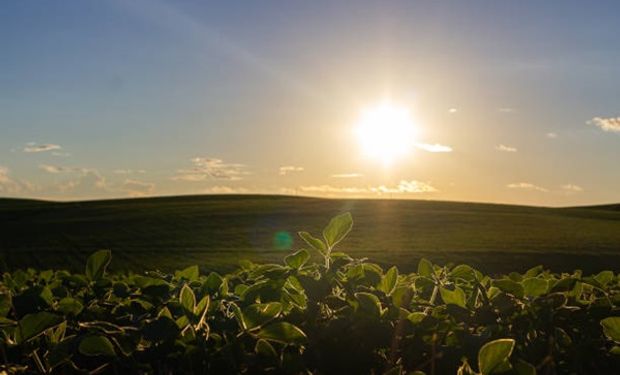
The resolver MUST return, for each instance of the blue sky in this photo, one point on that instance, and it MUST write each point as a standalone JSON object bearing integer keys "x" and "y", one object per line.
{"x": 115, "y": 98}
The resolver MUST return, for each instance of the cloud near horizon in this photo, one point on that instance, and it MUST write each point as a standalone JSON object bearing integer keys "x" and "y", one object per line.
{"x": 610, "y": 124}
{"x": 33, "y": 147}
{"x": 434, "y": 147}
{"x": 286, "y": 169}
{"x": 211, "y": 169}
{"x": 504, "y": 148}
{"x": 526, "y": 186}
{"x": 347, "y": 175}
{"x": 403, "y": 187}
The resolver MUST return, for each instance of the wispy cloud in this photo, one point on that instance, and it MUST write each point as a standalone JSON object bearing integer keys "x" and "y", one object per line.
{"x": 129, "y": 171}
{"x": 506, "y": 110}
{"x": 452, "y": 110}
{"x": 505, "y": 148}
{"x": 286, "y": 169}
{"x": 34, "y": 147}
{"x": 403, "y": 187}
{"x": 609, "y": 124}
{"x": 552, "y": 135}
{"x": 526, "y": 186}
{"x": 136, "y": 188}
{"x": 210, "y": 168}
{"x": 347, "y": 175}
{"x": 225, "y": 190}
{"x": 434, "y": 147}
{"x": 8, "y": 185}
{"x": 60, "y": 169}
{"x": 571, "y": 188}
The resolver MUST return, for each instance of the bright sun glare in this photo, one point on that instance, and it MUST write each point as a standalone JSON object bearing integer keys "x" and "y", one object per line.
{"x": 385, "y": 132}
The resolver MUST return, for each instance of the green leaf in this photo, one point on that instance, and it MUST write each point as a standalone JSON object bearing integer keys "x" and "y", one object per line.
{"x": 416, "y": 317}
{"x": 463, "y": 271}
{"x": 524, "y": 368}
{"x": 32, "y": 325}
{"x": 388, "y": 281}
{"x": 5, "y": 303}
{"x": 604, "y": 277}
{"x": 493, "y": 356}
{"x": 425, "y": 268}
{"x": 190, "y": 273}
{"x": 535, "y": 287}
{"x": 369, "y": 303}
{"x": 337, "y": 229}
{"x": 94, "y": 346}
{"x": 97, "y": 264}
{"x": 258, "y": 314}
{"x": 297, "y": 259}
{"x": 455, "y": 297}
{"x": 510, "y": 286}
{"x": 70, "y": 306}
{"x": 187, "y": 298}
{"x": 313, "y": 242}
{"x": 611, "y": 327}
{"x": 265, "y": 349}
{"x": 284, "y": 333}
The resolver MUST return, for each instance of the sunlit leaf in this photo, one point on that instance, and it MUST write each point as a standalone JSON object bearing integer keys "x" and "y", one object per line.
{"x": 337, "y": 229}
{"x": 97, "y": 263}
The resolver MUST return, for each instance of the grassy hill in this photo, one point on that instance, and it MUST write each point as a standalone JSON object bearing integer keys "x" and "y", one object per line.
{"x": 216, "y": 231}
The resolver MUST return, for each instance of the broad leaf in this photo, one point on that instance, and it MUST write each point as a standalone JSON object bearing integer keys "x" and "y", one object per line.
{"x": 297, "y": 259}
{"x": 70, "y": 306}
{"x": 93, "y": 346}
{"x": 337, "y": 229}
{"x": 611, "y": 327}
{"x": 604, "y": 277}
{"x": 265, "y": 349}
{"x": 524, "y": 368}
{"x": 369, "y": 303}
{"x": 190, "y": 273}
{"x": 388, "y": 281}
{"x": 425, "y": 268}
{"x": 97, "y": 263}
{"x": 187, "y": 298}
{"x": 455, "y": 297}
{"x": 535, "y": 287}
{"x": 313, "y": 242}
{"x": 32, "y": 325}
{"x": 494, "y": 355}
{"x": 258, "y": 314}
{"x": 283, "y": 332}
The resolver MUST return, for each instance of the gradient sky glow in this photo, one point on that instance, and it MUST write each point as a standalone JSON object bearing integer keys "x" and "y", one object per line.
{"x": 513, "y": 101}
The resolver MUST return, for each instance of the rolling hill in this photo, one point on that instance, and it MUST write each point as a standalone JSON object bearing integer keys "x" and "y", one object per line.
{"x": 217, "y": 231}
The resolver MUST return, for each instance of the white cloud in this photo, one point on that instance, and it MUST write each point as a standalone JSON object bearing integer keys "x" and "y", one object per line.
{"x": 286, "y": 169}
{"x": 347, "y": 175}
{"x": 526, "y": 186}
{"x": 552, "y": 135}
{"x": 434, "y": 147}
{"x": 136, "y": 188}
{"x": 129, "y": 171}
{"x": 88, "y": 182}
{"x": 571, "y": 188}
{"x": 610, "y": 124}
{"x": 9, "y": 185}
{"x": 225, "y": 190}
{"x": 452, "y": 110}
{"x": 505, "y": 148}
{"x": 210, "y": 168}
{"x": 60, "y": 169}
{"x": 33, "y": 147}
{"x": 506, "y": 109}
{"x": 403, "y": 187}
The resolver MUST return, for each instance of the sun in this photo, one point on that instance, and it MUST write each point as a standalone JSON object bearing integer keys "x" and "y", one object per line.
{"x": 385, "y": 132}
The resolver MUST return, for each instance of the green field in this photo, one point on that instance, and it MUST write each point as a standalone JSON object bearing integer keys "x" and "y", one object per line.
{"x": 217, "y": 231}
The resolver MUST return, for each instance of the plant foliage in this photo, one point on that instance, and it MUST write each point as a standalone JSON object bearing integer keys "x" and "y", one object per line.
{"x": 336, "y": 316}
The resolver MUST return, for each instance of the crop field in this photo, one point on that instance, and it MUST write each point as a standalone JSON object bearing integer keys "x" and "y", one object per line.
{"x": 333, "y": 314}
{"x": 215, "y": 232}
